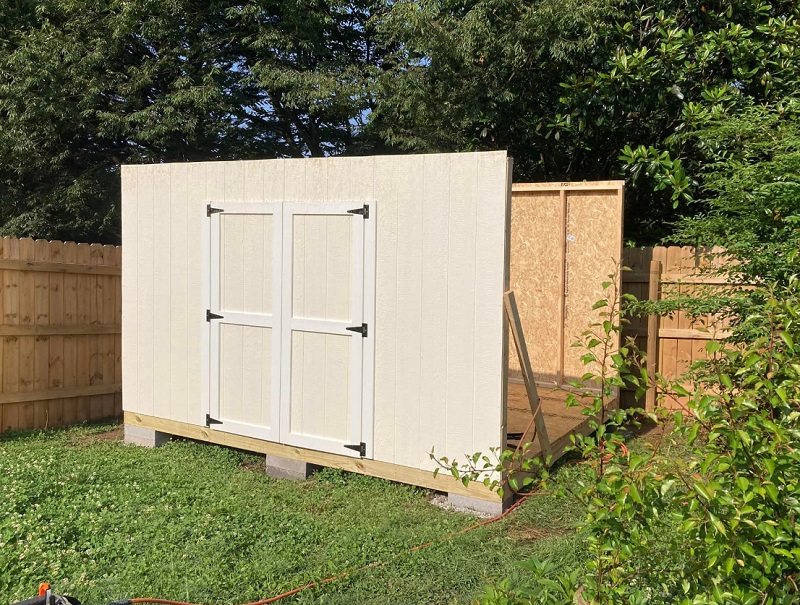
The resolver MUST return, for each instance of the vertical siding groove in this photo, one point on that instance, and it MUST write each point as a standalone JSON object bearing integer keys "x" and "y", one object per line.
{"x": 167, "y": 262}
{"x": 475, "y": 319}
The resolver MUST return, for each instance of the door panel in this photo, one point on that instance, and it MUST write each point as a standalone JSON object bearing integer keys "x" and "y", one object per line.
{"x": 245, "y": 338}
{"x": 246, "y": 374}
{"x": 246, "y": 251}
{"x": 323, "y": 293}
{"x": 321, "y": 264}
{"x": 320, "y": 385}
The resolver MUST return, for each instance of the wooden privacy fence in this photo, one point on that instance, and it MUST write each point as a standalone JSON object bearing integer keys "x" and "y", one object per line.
{"x": 60, "y": 337}
{"x": 674, "y": 341}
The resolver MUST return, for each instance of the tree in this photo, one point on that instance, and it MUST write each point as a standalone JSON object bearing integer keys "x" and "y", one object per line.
{"x": 751, "y": 194}
{"x": 485, "y": 74}
{"x": 86, "y": 86}
{"x": 566, "y": 86}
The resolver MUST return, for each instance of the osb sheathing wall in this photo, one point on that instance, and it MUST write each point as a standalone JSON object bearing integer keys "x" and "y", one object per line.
{"x": 566, "y": 238}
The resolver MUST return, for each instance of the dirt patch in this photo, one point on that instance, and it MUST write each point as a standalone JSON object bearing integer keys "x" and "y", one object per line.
{"x": 115, "y": 434}
{"x": 259, "y": 467}
{"x": 652, "y": 432}
{"x": 441, "y": 501}
{"x": 525, "y": 533}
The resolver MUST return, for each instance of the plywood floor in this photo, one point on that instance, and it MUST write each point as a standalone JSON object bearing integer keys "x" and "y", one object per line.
{"x": 561, "y": 421}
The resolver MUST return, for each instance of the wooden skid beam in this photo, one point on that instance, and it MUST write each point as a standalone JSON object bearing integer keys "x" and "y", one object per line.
{"x": 373, "y": 468}
{"x": 512, "y": 314}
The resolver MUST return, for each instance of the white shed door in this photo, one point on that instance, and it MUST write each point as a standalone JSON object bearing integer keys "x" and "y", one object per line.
{"x": 291, "y": 353}
{"x": 245, "y": 306}
{"x": 323, "y": 327}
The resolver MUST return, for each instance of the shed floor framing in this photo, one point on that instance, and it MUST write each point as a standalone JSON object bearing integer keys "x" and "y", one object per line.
{"x": 383, "y": 470}
{"x": 561, "y": 421}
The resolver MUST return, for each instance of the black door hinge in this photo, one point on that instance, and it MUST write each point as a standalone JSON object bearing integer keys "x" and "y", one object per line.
{"x": 210, "y": 315}
{"x": 361, "y": 448}
{"x": 362, "y": 329}
{"x": 210, "y": 420}
{"x": 362, "y": 211}
{"x": 211, "y": 210}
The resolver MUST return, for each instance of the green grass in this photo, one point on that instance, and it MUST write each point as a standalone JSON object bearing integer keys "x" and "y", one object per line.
{"x": 104, "y": 521}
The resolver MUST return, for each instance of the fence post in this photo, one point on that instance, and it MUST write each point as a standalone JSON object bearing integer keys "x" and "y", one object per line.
{"x": 653, "y": 321}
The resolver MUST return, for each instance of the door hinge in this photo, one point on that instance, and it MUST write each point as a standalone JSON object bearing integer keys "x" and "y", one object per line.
{"x": 211, "y": 210}
{"x": 362, "y": 211}
{"x": 362, "y": 329}
{"x": 210, "y": 315}
{"x": 361, "y": 448}
{"x": 210, "y": 420}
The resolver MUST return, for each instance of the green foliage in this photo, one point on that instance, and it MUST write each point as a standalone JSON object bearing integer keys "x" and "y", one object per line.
{"x": 678, "y": 65}
{"x": 86, "y": 86}
{"x": 582, "y": 90}
{"x": 717, "y": 525}
{"x": 752, "y": 192}
{"x": 188, "y": 521}
{"x": 617, "y": 487}
{"x": 741, "y": 501}
{"x": 486, "y": 74}
{"x": 751, "y": 201}
{"x": 577, "y": 89}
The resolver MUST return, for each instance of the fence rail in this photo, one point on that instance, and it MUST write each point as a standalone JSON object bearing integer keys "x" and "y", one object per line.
{"x": 60, "y": 336}
{"x": 674, "y": 341}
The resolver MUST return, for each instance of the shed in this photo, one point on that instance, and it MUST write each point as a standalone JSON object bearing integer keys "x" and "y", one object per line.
{"x": 343, "y": 312}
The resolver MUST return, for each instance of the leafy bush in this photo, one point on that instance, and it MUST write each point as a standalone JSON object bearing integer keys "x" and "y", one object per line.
{"x": 741, "y": 502}
{"x": 720, "y": 525}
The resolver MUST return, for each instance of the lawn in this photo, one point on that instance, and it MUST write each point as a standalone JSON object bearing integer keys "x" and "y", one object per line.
{"x": 103, "y": 521}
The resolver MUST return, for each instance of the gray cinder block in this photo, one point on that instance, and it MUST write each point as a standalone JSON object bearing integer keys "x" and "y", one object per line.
{"x": 138, "y": 435}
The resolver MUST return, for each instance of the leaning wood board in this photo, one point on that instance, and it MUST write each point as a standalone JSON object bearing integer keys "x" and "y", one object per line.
{"x": 566, "y": 239}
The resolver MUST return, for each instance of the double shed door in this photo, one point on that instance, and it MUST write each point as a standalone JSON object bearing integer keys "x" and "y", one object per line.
{"x": 289, "y": 331}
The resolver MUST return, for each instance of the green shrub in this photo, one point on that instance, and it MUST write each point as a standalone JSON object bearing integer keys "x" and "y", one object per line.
{"x": 720, "y": 524}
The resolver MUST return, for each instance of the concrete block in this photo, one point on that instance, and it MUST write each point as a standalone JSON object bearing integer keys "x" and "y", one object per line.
{"x": 288, "y": 468}
{"x": 138, "y": 435}
{"x": 488, "y": 508}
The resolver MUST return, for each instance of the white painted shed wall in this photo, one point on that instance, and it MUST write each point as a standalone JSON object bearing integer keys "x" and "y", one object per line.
{"x": 441, "y": 250}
